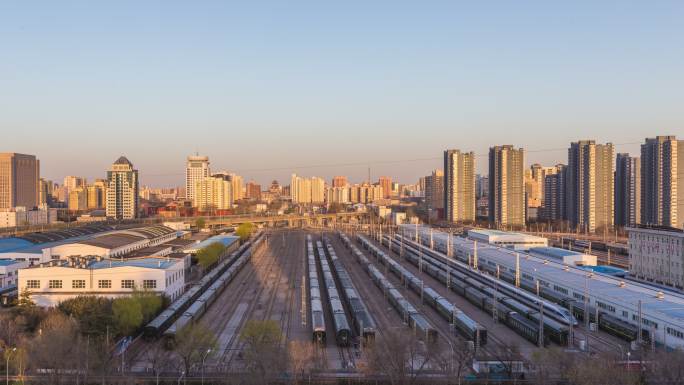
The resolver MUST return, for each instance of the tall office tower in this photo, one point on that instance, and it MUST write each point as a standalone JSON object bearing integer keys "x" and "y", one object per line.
{"x": 662, "y": 182}
{"x": 253, "y": 190}
{"x": 590, "y": 183}
{"x": 317, "y": 190}
{"x": 506, "y": 186}
{"x": 19, "y": 176}
{"x": 386, "y": 183}
{"x": 340, "y": 181}
{"x": 434, "y": 190}
{"x": 122, "y": 190}
{"x": 627, "y": 190}
{"x": 459, "y": 186}
{"x": 197, "y": 168}
{"x": 213, "y": 193}
{"x": 554, "y": 206}
{"x": 97, "y": 194}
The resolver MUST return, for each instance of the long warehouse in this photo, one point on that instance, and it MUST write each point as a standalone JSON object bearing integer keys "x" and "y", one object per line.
{"x": 662, "y": 313}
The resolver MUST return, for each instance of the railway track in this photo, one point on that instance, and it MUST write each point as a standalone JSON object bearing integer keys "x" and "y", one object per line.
{"x": 234, "y": 346}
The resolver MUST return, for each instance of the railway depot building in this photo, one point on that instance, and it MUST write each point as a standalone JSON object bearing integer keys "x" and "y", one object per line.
{"x": 656, "y": 254}
{"x": 56, "y": 281}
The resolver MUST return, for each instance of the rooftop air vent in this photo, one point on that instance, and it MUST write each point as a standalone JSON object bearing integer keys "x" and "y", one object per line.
{"x": 660, "y": 295}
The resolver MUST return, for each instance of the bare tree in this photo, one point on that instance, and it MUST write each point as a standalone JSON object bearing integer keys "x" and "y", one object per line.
{"x": 56, "y": 350}
{"x": 665, "y": 367}
{"x": 264, "y": 355}
{"x": 301, "y": 355}
{"x": 193, "y": 343}
{"x": 400, "y": 356}
{"x": 455, "y": 361}
{"x": 603, "y": 369}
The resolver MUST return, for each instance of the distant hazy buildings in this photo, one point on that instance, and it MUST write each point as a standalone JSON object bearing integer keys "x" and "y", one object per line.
{"x": 238, "y": 185}
{"x": 386, "y": 183}
{"x": 340, "y": 181}
{"x": 662, "y": 182}
{"x": 307, "y": 190}
{"x": 19, "y": 176}
{"x": 197, "y": 168}
{"x": 627, "y": 190}
{"x": 122, "y": 190}
{"x": 590, "y": 182}
{"x": 459, "y": 186}
{"x": 253, "y": 190}
{"x": 506, "y": 186}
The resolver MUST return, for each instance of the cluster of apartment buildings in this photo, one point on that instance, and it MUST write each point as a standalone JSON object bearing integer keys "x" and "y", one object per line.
{"x": 596, "y": 190}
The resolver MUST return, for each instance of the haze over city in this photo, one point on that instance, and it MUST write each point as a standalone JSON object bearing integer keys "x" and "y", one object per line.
{"x": 260, "y": 86}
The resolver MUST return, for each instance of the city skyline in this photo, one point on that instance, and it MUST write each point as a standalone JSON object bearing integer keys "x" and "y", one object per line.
{"x": 356, "y": 171}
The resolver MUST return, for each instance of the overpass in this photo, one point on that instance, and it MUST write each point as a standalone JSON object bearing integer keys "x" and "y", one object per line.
{"x": 291, "y": 220}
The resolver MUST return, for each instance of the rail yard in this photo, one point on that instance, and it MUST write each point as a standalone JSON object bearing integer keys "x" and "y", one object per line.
{"x": 343, "y": 294}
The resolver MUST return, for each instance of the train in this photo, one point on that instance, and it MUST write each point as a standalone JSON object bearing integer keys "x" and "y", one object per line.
{"x": 343, "y": 333}
{"x": 363, "y": 322}
{"x": 563, "y": 303}
{"x": 317, "y": 315}
{"x": 409, "y": 314}
{"x": 468, "y": 327}
{"x": 193, "y": 303}
{"x": 481, "y": 294}
{"x": 463, "y": 272}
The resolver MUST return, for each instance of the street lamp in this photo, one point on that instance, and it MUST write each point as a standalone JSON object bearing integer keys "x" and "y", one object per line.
{"x": 9, "y": 353}
{"x": 203, "y": 358}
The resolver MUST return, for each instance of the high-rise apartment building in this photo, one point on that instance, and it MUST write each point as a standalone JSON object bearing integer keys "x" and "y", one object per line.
{"x": 197, "y": 168}
{"x": 340, "y": 181}
{"x": 386, "y": 183}
{"x": 317, "y": 190}
{"x": 506, "y": 186}
{"x": 481, "y": 186}
{"x": 627, "y": 190}
{"x": 337, "y": 195}
{"x": 459, "y": 186}
{"x": 555, "y": 200}
{"x": 590, "y": 180}
{"x": 19, "y": 181}
{"x": 238, "y": 185}
{"x": 213, "y": 193}
{"x": 434, "y": 190}
{"x": 662, "y": 182}
{"x": 122, "y": 190}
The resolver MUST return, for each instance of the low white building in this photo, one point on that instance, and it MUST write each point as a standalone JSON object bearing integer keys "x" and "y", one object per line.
{"x": 567, "y": 257}
{"x": 515, "y": 241}
{"x": 657, "y": 255}
{"x": 56, "y": 281}
{"x": 8, "y": 271}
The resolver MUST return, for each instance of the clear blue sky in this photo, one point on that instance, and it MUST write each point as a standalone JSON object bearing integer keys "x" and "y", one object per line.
{"x": 262, "y": 86}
